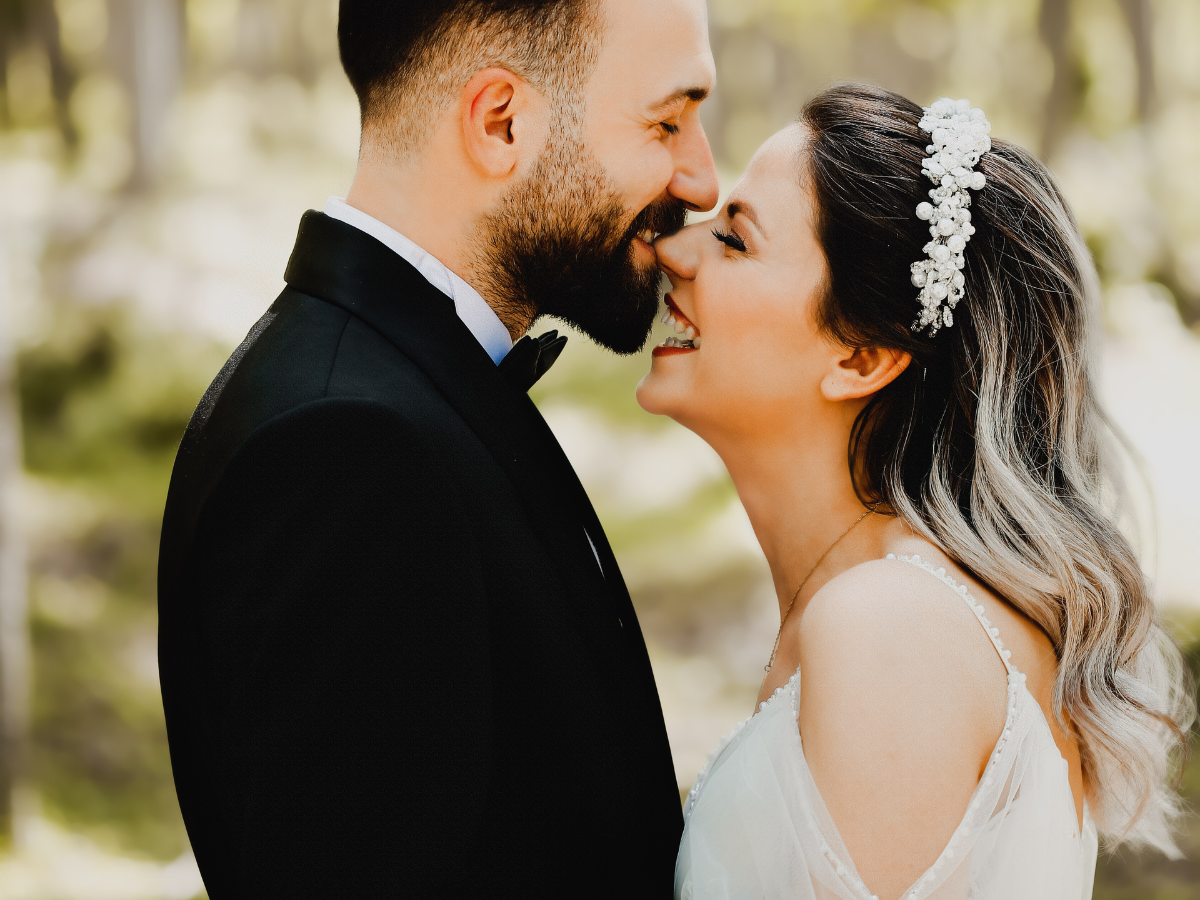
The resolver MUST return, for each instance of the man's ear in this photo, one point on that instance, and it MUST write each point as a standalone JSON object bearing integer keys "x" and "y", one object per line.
{"x": 503, "y": 121}
{"x": 862, "y": 372}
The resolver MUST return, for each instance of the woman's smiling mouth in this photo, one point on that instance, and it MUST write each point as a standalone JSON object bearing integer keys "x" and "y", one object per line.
{"x": 683, "y": 326}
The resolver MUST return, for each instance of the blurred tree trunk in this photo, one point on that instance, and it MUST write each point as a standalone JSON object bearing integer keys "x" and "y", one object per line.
{"x": 1139, "y": 18}
{"x": 14, "y": 26}
{"x": 1054, "y": 25}
{"x": 146, "y": 48}
{"x": 14, "y": 628}
{"x": 61, "y": 77}
{"x": 23, "y": 21}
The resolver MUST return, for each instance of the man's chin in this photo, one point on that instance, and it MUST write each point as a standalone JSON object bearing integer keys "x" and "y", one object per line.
{"x": 624, "y": 344}
{"x": 627, "y": 335}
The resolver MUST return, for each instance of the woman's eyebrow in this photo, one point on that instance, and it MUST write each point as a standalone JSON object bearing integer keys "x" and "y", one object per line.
{"x": 741, "y": 206}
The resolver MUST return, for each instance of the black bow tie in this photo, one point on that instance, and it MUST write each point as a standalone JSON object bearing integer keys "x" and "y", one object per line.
{"x": 531, "y": 358}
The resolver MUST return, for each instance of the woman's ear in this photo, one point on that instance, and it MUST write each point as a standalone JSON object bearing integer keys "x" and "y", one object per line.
{"x": 859, "y": 373}
{"x": 504, "y": 122}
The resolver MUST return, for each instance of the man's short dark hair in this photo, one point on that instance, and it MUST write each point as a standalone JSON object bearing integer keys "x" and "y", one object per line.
{"x": 407, "y": 59}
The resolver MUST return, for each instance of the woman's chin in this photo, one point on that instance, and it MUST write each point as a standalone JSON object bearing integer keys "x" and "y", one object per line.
{"x": 663, "y": 393}
{"x": 654, "y": 394}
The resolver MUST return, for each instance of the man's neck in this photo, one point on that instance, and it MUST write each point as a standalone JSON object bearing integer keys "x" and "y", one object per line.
{"x": 391, "y": 198}
{"x": 419, "y": 203}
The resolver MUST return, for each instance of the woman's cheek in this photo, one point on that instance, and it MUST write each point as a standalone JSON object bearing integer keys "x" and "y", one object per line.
{"x": 756, "y": 373}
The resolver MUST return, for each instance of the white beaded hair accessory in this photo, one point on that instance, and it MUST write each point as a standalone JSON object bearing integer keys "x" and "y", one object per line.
{"x": 960, "y": 137}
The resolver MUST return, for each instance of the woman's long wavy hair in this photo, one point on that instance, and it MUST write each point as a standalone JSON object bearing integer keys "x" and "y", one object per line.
{"x": 992, "y": 444}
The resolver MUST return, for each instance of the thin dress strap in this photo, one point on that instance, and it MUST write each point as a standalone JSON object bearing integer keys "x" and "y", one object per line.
{"x": 939, "y": 573}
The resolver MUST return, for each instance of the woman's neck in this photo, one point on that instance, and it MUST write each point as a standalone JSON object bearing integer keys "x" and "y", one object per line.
{"x": 799, "y": 497}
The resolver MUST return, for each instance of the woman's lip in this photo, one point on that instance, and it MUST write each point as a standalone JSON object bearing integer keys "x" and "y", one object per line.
{"x": 671, "y": 351}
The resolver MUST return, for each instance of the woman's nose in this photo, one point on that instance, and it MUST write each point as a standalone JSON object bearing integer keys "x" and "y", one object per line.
{"x": 679, "y": 253}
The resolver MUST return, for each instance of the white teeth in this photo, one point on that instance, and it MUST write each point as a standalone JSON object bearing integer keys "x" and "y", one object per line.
{"x": 683, "y": 345}
{"x": 647, "y": 236}
{"x": 688, "y": 331}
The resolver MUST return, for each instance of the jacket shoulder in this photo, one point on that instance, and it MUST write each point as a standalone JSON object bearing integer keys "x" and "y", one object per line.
{"x": 302, "y": 350}
{"x": 288, "y": 362}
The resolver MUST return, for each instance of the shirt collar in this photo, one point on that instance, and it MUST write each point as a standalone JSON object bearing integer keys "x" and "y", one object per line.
{"x": 480, "y": 319}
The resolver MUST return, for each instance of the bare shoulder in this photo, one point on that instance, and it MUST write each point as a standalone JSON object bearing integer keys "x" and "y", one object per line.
{"x": 886, "y": 602}
{"x": 889, "y": 626}
{"x": 890, "y": 632}
{"x": 902, "y": 699}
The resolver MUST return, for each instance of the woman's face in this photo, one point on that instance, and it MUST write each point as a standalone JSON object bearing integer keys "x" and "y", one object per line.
{"x": 749, "y": 295}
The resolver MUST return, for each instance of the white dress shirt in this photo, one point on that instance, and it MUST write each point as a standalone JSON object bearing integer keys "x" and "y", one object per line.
{"x": 480, "y": 319}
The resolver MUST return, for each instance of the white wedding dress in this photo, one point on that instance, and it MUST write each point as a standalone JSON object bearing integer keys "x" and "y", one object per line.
{"x": 757, "y": 828}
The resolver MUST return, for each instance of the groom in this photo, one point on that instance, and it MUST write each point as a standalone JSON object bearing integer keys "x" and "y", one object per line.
{"x": 397, "y": 655}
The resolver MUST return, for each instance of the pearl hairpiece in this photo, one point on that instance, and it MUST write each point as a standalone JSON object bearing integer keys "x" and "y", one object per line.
{"x": 960, "y": 137}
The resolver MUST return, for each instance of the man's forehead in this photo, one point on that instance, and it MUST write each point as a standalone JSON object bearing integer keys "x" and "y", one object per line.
{"x": 668, "y": 41}
{"x": 667, "y": 12}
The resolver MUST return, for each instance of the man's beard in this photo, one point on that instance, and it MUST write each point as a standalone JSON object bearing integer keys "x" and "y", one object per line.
{"x": 561, "y": 244}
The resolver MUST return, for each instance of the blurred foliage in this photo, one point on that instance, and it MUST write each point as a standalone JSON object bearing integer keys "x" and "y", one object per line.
{"x": 107, "y": 406}
{"x": 104, "y": 409}
{"x": 603, "y": 382}
{"x": 1125, "y": 875}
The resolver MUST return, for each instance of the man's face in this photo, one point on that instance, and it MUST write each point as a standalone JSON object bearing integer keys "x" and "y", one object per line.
{"x": 562, "y": 244}
{"x": 642, "y": 113}
{"x": 573, "y": 239}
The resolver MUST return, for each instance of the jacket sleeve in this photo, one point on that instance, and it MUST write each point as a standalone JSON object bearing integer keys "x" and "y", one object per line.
{"x": 346, "y": 626}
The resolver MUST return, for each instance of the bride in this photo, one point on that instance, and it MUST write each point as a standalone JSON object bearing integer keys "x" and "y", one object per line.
{"x": 969, "y": 678}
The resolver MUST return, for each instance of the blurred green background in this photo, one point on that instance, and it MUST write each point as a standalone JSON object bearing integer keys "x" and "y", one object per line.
{"x": 155, "y": 157}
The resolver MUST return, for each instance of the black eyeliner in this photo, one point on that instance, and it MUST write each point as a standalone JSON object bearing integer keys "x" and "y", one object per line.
{"x": 730, "y": 240}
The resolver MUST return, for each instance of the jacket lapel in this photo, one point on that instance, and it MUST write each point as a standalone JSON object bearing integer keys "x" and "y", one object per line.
{"x": 342, "y": 265}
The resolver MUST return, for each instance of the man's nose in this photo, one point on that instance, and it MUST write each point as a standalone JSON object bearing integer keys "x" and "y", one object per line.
{"x": 694, "y": 183}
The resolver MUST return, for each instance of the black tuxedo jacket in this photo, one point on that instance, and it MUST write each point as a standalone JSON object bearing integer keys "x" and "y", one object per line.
{"x": 391, "y": 663}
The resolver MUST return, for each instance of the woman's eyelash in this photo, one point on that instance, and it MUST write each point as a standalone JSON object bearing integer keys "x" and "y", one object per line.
{"x": 729, "y": 239}
{"x": 669, "y": 128}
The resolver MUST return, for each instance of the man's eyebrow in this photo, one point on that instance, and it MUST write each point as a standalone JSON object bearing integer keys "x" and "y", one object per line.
{"x": 741, "y": 206}
{"x": 693, "y": 93}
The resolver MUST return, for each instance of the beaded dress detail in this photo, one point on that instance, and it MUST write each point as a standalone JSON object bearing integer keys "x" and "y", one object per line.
{"x": 756, "y": 826}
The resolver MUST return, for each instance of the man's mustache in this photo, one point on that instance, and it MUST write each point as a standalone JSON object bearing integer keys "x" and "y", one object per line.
{"x": 660, "y": 217}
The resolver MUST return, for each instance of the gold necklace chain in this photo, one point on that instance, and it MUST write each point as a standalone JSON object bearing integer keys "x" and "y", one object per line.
{"x": 783, "y": 621}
